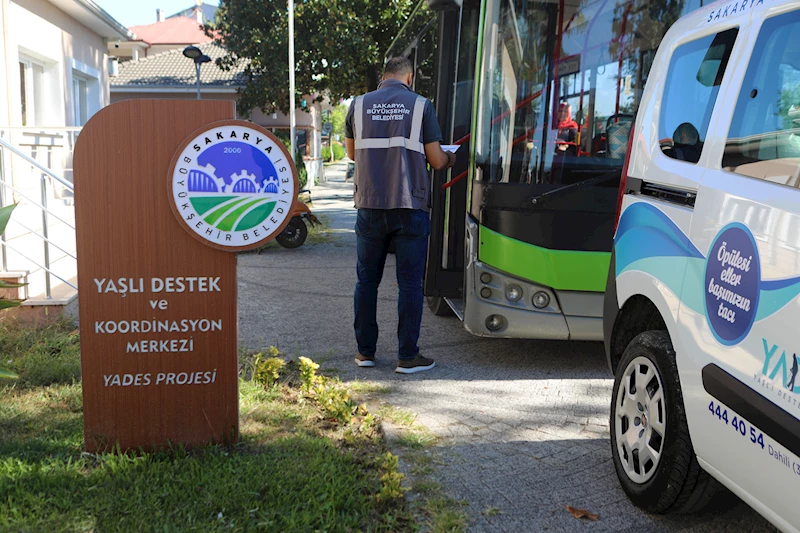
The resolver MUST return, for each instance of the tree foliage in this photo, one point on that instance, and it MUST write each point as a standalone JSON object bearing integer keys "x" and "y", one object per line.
{"x": 339, "y": 47}
{"x": 5, "y": 303}
{"x": 338, "y": 116}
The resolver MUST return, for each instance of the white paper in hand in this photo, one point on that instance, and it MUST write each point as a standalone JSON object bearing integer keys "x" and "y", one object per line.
{"x": 451, "y": 147}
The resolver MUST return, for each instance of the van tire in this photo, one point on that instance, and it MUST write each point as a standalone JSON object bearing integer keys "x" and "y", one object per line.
{"x": 438, "y": 306}
{"x": 679, "y": 484}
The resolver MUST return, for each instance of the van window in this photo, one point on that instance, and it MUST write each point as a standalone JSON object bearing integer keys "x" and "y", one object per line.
{"x": 693, "y": 80}
{"x": 764, "y": 138}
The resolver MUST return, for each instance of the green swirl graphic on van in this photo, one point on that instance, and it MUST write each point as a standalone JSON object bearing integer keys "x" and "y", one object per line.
{"x": 648, "y": 241}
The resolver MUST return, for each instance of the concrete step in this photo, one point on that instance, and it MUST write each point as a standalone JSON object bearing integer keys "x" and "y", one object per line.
{"x": 37, "y": 308}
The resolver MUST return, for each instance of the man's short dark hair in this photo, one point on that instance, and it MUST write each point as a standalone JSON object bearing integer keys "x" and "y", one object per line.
{"x": 398, "y": 66}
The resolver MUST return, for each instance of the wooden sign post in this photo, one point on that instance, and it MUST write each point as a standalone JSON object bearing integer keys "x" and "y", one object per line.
{"x": 165, "y": 191}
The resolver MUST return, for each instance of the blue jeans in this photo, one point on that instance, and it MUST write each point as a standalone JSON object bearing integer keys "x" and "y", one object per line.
{"x": 375, "y": 229}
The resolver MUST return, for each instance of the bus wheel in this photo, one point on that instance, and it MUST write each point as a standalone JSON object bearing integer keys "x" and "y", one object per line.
{"x": 438, "y": 306}
{"x": 652, "y": 451}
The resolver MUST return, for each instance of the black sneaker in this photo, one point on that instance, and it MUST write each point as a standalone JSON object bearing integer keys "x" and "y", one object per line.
{"x": 364, "y": 360}
{"x": 418, "y": 364}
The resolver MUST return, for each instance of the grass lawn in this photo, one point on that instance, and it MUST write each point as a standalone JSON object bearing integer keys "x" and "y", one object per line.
{"x": 295, "y": 469}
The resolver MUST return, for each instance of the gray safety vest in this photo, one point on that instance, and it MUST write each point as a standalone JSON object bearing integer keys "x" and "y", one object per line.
{"x": 391, "y": 172}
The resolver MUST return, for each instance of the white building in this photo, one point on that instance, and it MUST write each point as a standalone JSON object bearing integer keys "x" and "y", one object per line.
{"x": 54, "y": 75}
{"x": 54, "y": 60}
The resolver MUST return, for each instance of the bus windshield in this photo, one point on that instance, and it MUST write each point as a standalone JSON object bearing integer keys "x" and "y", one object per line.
{"x": 560, "y": 84}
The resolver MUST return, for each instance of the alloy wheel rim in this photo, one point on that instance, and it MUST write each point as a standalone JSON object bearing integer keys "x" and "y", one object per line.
{"x": 640, "y": 419}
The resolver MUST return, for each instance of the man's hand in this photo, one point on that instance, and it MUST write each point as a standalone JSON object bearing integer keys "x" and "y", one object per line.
{"x": 437, "y": 157}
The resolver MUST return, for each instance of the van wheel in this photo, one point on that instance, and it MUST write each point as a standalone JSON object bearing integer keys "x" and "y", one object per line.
{"x": 439, "y": 306}
{"x": 652, "y": 451}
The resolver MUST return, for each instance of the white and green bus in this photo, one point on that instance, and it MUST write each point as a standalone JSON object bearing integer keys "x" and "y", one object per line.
{"x": 541, "y": 96}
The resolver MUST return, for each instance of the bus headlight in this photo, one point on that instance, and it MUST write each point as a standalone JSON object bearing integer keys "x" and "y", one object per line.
{"x": 513, "y": 293}
{"x": 486, "y": 277}
{"x": 486, "y": 292}
{"x": 541, "y": 300}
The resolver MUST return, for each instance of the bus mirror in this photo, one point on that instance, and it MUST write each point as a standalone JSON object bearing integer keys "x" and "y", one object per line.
{"x": 444, "y": 5}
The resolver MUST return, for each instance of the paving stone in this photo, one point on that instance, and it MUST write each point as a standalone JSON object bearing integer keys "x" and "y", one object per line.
{"x": 524, "y": 423}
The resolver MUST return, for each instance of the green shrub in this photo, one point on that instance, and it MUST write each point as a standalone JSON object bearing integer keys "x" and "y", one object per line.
{"x": 338, "y": 151}
{"x": 334, "y": 401}
{"x": 302, "y": 172}
{"x": 391, "y": 480}
{"x": 5, "y": 303}
{"x": 266, "y": 371}
{"x": 329, "y": 394}
{"x": 308, "y": 374}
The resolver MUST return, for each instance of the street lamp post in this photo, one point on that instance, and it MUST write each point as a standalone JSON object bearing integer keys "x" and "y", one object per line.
{"x": 292, "y": 118}
{"x": 196, "y": 55}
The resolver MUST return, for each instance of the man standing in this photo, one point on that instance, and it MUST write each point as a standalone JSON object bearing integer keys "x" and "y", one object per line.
{"x": 390, "y": 133}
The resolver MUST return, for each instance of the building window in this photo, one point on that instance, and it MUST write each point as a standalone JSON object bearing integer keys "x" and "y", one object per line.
{"x": 23, "y": 93}
{"x": 31, "y": 84}
{"x": 80, "y": 100}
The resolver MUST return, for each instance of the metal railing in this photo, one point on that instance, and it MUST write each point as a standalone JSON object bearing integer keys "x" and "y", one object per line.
{"x": 43, "y": 214}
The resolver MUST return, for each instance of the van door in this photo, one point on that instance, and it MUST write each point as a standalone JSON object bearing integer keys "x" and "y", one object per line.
{"x": 740, "y": 311}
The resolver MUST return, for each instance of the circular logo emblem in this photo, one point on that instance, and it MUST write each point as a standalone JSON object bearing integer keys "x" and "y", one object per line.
{"x": 232, "y": 185}
{"x": 733, "y": 275}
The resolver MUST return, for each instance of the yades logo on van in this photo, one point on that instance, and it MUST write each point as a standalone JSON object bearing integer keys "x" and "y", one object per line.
{"x": 780, "y": 372}
{"x": 233, "y": 186}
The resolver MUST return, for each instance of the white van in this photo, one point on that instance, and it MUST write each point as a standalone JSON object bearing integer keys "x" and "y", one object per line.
{"x": 702, "y": 310}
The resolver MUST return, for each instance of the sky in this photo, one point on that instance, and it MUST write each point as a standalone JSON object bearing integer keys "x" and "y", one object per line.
{"x": 138, "y": 12}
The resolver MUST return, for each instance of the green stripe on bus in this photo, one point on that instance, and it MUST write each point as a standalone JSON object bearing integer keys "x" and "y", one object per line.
{"x": 559, "y": 269}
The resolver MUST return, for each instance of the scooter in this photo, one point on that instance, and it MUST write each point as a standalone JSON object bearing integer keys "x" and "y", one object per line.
{"x": 295, "y": 233}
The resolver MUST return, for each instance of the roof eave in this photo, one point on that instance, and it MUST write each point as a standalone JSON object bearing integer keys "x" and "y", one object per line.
{"x": 173, "y": 89}
{"x": 94, "y": 17}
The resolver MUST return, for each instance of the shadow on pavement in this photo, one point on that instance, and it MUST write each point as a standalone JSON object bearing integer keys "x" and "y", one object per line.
{"x": 523, "y": 423}
{"x": 524, "y": 485}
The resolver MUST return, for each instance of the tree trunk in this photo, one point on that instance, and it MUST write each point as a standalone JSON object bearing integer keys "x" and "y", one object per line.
{"x": 373, "y": 77}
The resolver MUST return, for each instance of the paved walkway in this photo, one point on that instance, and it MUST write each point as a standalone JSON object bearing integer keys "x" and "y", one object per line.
{"x": 523, "y": 424}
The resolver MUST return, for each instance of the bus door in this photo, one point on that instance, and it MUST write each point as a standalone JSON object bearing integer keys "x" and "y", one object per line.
{"x": 455, "y": 71}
